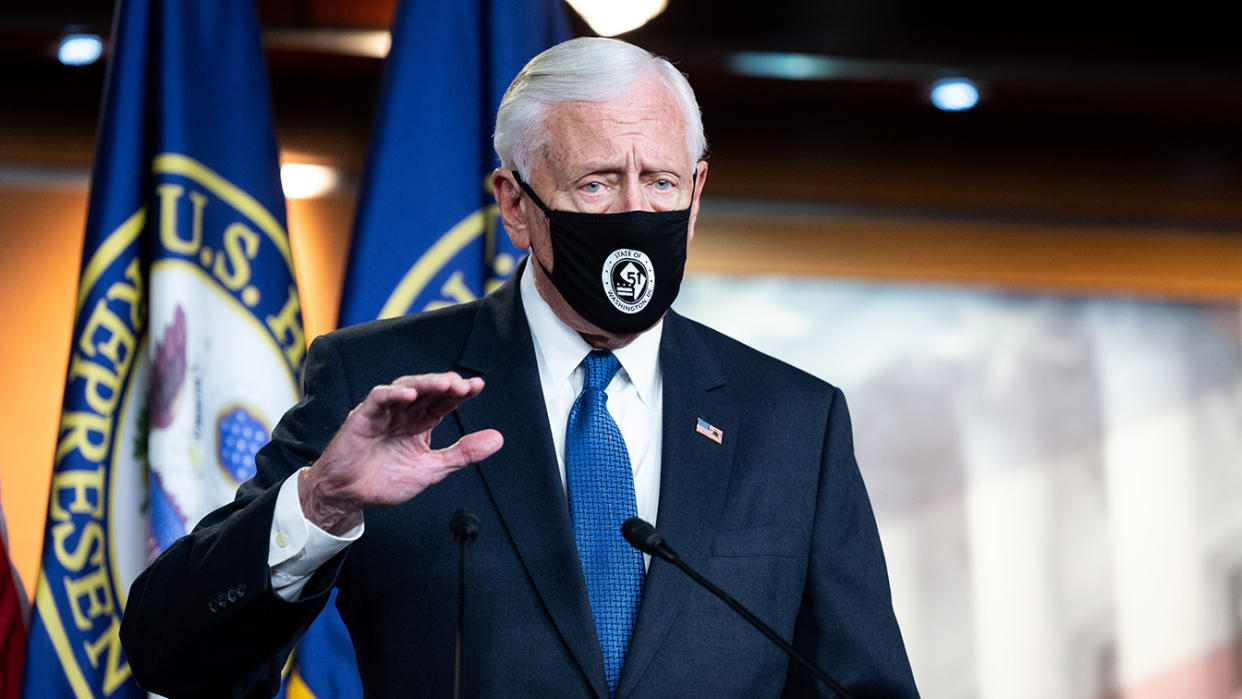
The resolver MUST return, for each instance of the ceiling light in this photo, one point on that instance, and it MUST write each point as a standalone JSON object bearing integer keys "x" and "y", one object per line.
{"x": 783, "y": 66}
{"x": 80, "y": 49}
{"x": 307, "y": 181}
{"x": 612, "y": 17}
{"x": 954, "y": 94}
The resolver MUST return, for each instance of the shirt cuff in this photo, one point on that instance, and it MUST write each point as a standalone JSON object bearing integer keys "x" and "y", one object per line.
{"x": 297, "y": 547}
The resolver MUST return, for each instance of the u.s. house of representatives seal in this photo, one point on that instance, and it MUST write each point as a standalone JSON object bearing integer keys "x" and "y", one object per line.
{"x": 629, "y": 279}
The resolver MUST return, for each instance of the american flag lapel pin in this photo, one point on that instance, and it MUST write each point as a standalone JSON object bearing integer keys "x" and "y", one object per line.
{"x": 709, "y": 430}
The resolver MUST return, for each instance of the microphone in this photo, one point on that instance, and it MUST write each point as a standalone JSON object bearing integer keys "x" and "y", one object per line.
{"x": 465, "y": 527}
{"x": 643, "y": 536}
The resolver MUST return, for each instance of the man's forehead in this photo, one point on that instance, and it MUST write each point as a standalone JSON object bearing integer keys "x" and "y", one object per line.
{"x": 642, "y": 99}
{"x": 645, "y": 122}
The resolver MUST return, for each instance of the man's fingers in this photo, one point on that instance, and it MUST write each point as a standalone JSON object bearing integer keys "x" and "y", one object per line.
{"x": 440, "y": 394}
{"x": 428, "y": 383}
{"x": 381, "y": 398}
{"x": 468, "y": 450}
{"x": 459, "y": 392}
{"x": 412, "y": 405}
{"x": 437, "y": 394}
{"x": 472, "y": 448}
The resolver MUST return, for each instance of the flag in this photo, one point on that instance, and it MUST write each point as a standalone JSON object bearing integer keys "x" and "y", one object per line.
{"x": 12, "y": 621}
{"x": 187, "y": 342}
{"x": 427, "y": 232}
{"x": 709, "y": 430}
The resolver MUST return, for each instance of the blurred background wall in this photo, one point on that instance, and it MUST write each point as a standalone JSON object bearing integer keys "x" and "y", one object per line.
{"x": 1032, "y": 304}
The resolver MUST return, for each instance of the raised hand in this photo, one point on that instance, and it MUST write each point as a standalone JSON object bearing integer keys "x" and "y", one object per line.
{"x": 382, "y": 455}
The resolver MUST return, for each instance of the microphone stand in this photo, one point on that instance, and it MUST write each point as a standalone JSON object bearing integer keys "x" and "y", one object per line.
{"x": 465, "y": 527}
{"x": 643, "y": 536}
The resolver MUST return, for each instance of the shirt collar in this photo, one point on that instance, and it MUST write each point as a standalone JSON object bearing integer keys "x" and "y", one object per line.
{"x": 559, "y": 349}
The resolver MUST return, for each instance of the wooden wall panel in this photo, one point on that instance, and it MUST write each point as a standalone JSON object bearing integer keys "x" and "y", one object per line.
{"x": 40, "y": 244}
{"x": 1055, "y": 257}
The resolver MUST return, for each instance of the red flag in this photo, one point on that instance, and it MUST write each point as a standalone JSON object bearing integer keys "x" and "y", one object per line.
{"x": 12, "y": 624}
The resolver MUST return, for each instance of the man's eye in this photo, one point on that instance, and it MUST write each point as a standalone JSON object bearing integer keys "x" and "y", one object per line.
{"x": 592, "y": 187}
{"x": 663, "y": 185}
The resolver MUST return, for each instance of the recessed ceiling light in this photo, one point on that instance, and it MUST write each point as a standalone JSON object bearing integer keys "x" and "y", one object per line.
{"x": 954, "y": 94}
{"x": 80, "y": 49}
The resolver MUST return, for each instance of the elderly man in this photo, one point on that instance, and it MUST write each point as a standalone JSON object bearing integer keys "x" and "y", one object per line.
{"x": 581, "y": 400}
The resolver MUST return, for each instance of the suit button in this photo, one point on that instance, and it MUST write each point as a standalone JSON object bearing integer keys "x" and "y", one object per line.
{"x": 241, "y": 589}
{"x": 232, "y": 594}
{"x": 221, "y": 601}
{"x": 211, "y": 605}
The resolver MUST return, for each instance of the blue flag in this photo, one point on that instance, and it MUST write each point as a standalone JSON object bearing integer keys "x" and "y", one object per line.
{"x": 427, "y": 232}
{"x": 187, "y": 341}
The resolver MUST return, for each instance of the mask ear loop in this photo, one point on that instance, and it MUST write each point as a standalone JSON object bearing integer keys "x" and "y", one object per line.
{"x": 546, "y": 212}
{"x": 531, "y": 193}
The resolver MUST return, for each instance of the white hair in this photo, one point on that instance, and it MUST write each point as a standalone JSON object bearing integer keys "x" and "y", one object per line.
{"x": 586, "y": 69}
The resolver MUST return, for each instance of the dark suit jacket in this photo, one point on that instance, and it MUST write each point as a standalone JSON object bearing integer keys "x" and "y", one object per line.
{"x": 776, "y": 514}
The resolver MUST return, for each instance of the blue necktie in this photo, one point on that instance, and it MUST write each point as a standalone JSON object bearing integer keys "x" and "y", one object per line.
{"x": 601, "y": 497}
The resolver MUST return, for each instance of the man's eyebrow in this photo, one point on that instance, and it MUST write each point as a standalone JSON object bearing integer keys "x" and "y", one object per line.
{"x": 596, "y": 169}
{"x": 604, "y": 168}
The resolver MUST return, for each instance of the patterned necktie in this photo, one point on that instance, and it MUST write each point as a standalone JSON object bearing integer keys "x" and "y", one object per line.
{"x": 601, "y": 497}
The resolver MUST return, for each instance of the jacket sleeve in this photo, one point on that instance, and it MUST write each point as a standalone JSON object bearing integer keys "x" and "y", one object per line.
{"x": 846, "y": 623}
{"x": 203, "y": 619}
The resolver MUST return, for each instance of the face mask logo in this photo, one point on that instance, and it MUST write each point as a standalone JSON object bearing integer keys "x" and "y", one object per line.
{"x": 629, "y": 280}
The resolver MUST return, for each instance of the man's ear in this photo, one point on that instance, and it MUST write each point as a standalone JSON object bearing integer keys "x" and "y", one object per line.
{"x": 512, "y": 209}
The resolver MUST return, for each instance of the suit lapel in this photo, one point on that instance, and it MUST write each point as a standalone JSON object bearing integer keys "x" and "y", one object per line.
{"x": 523, "y": 479}
{"x": 694, "y": 476}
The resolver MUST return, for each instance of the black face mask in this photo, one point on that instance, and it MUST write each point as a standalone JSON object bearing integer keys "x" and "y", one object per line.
{"x": 619, "y": 271}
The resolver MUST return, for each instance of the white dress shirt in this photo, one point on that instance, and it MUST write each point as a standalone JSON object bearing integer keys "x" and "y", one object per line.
{"x": 635, "y": 396}
{"x": 298, "y": 547}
